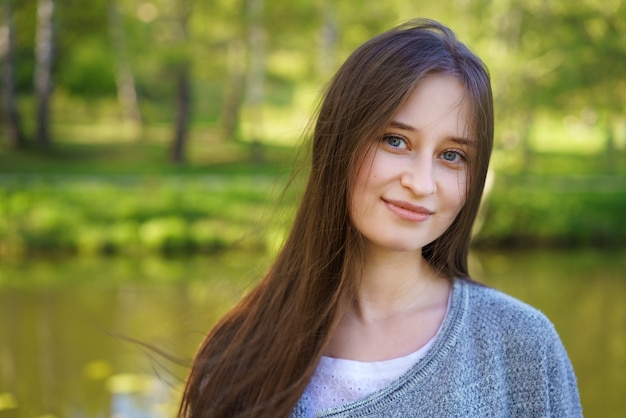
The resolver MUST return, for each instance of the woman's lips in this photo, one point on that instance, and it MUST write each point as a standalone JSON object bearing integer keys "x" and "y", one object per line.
{"x": 408, "y": 211}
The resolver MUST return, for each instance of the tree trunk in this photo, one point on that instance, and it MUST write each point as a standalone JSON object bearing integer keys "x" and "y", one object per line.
{"x": 124, "y": 77}
{"x": 610, "y": 147}
{"x": 10, "y": 114}
{"x": 527, "y": 150}
{"x": 231, "y": 109}
{"x": 44, "y": 45}
{"x": 327, "y": 40}
{"x": 623, "y": 165}
{"x": 256, "y": 68}
{"x": 183, "y": 110}
{"x": 183, "y": 89}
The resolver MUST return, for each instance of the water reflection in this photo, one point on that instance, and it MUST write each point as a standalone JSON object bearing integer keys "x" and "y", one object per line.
{"x": 64, "y": 324}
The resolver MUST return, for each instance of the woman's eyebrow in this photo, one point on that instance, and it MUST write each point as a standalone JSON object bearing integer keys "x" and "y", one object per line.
{"x": 463, "y": 141}
{"x": 403, "y": 126}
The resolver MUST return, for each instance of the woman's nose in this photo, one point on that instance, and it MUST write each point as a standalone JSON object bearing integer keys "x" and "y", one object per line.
{"x": 419, "y": 178}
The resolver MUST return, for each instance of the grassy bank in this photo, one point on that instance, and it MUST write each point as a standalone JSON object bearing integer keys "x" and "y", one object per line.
{"x": 125, "y": 198}
{"x": 208, "y": 213}
{"x": 91, "y": 152}
{"x": 555, "y": 211}
{"x": 135, "y": 214}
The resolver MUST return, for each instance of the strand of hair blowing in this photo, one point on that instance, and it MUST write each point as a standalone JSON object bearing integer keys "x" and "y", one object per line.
{"x": 258, "y": 359}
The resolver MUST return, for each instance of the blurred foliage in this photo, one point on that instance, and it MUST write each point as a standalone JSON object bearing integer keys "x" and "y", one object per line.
{"x": 546, "y": 57}
{"x": 135, "y": 215}
{"x": 185, "y": 214}
{"x": 535, "y": 211}
{"x": 558, "y": 75}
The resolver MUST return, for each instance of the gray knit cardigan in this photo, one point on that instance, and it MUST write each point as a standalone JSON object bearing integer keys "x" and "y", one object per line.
{"x": 494, "y": 357}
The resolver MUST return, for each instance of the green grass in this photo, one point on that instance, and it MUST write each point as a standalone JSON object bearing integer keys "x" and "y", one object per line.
{"x": 101, "y": 193}
{"x": 98, "y": 193}
{"x": 205, "y": 154}
{"x": 184, "y": 214}
{"x": 138, "y": 214}
{"x": 555, "y": 211}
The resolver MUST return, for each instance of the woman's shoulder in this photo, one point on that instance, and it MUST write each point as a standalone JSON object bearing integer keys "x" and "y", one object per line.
{"x": 502, "y": 331}
{"x": 495, "y": 311}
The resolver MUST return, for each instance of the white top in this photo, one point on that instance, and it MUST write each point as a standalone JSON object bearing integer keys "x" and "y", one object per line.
{"x": 339, "y": 381}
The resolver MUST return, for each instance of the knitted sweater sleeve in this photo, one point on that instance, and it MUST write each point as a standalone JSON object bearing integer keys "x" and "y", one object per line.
{"x": 538, "y": 375}
{"x": 563, "y": 389}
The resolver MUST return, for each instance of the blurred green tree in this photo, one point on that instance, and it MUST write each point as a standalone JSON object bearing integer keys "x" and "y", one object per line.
{"x": 247, "y": 62}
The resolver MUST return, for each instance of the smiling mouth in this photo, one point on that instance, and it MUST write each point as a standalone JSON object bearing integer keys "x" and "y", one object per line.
{"x": 407, "y": 211}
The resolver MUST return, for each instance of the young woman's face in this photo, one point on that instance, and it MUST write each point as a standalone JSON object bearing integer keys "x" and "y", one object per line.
{"x": 412, "y": 182}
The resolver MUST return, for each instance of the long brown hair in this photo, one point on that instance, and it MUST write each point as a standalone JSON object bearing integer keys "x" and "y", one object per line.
{"x": 258, "y": 359}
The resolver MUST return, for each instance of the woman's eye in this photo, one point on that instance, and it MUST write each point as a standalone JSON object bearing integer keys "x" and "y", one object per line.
{"x": 452, "y": 156}
{"x": 395, "y": 141}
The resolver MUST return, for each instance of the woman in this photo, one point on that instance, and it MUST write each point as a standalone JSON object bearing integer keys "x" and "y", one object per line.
{"x": 369, "y": 309}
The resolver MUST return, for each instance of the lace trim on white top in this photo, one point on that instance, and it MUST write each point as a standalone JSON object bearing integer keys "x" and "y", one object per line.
{"x": 340, "y": 381}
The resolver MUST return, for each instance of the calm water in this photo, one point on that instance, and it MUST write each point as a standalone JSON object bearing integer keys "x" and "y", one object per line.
{"x": 65, "y": 326}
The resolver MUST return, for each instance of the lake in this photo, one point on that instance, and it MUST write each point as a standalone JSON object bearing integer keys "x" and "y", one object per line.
{"x": 112, "y": 337}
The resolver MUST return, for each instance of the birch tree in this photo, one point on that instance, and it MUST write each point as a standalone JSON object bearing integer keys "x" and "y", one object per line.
{"x": 124, "y": 76}
{"x": 256, "y": 67}
{"x": 183, "y": 83}
{"x": 44, "y": 45}
{"x": 231, "y": 108}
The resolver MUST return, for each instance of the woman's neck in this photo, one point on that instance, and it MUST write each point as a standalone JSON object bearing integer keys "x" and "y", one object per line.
{"x": 399, "y": 307}
{"x": 393, "y": 283}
